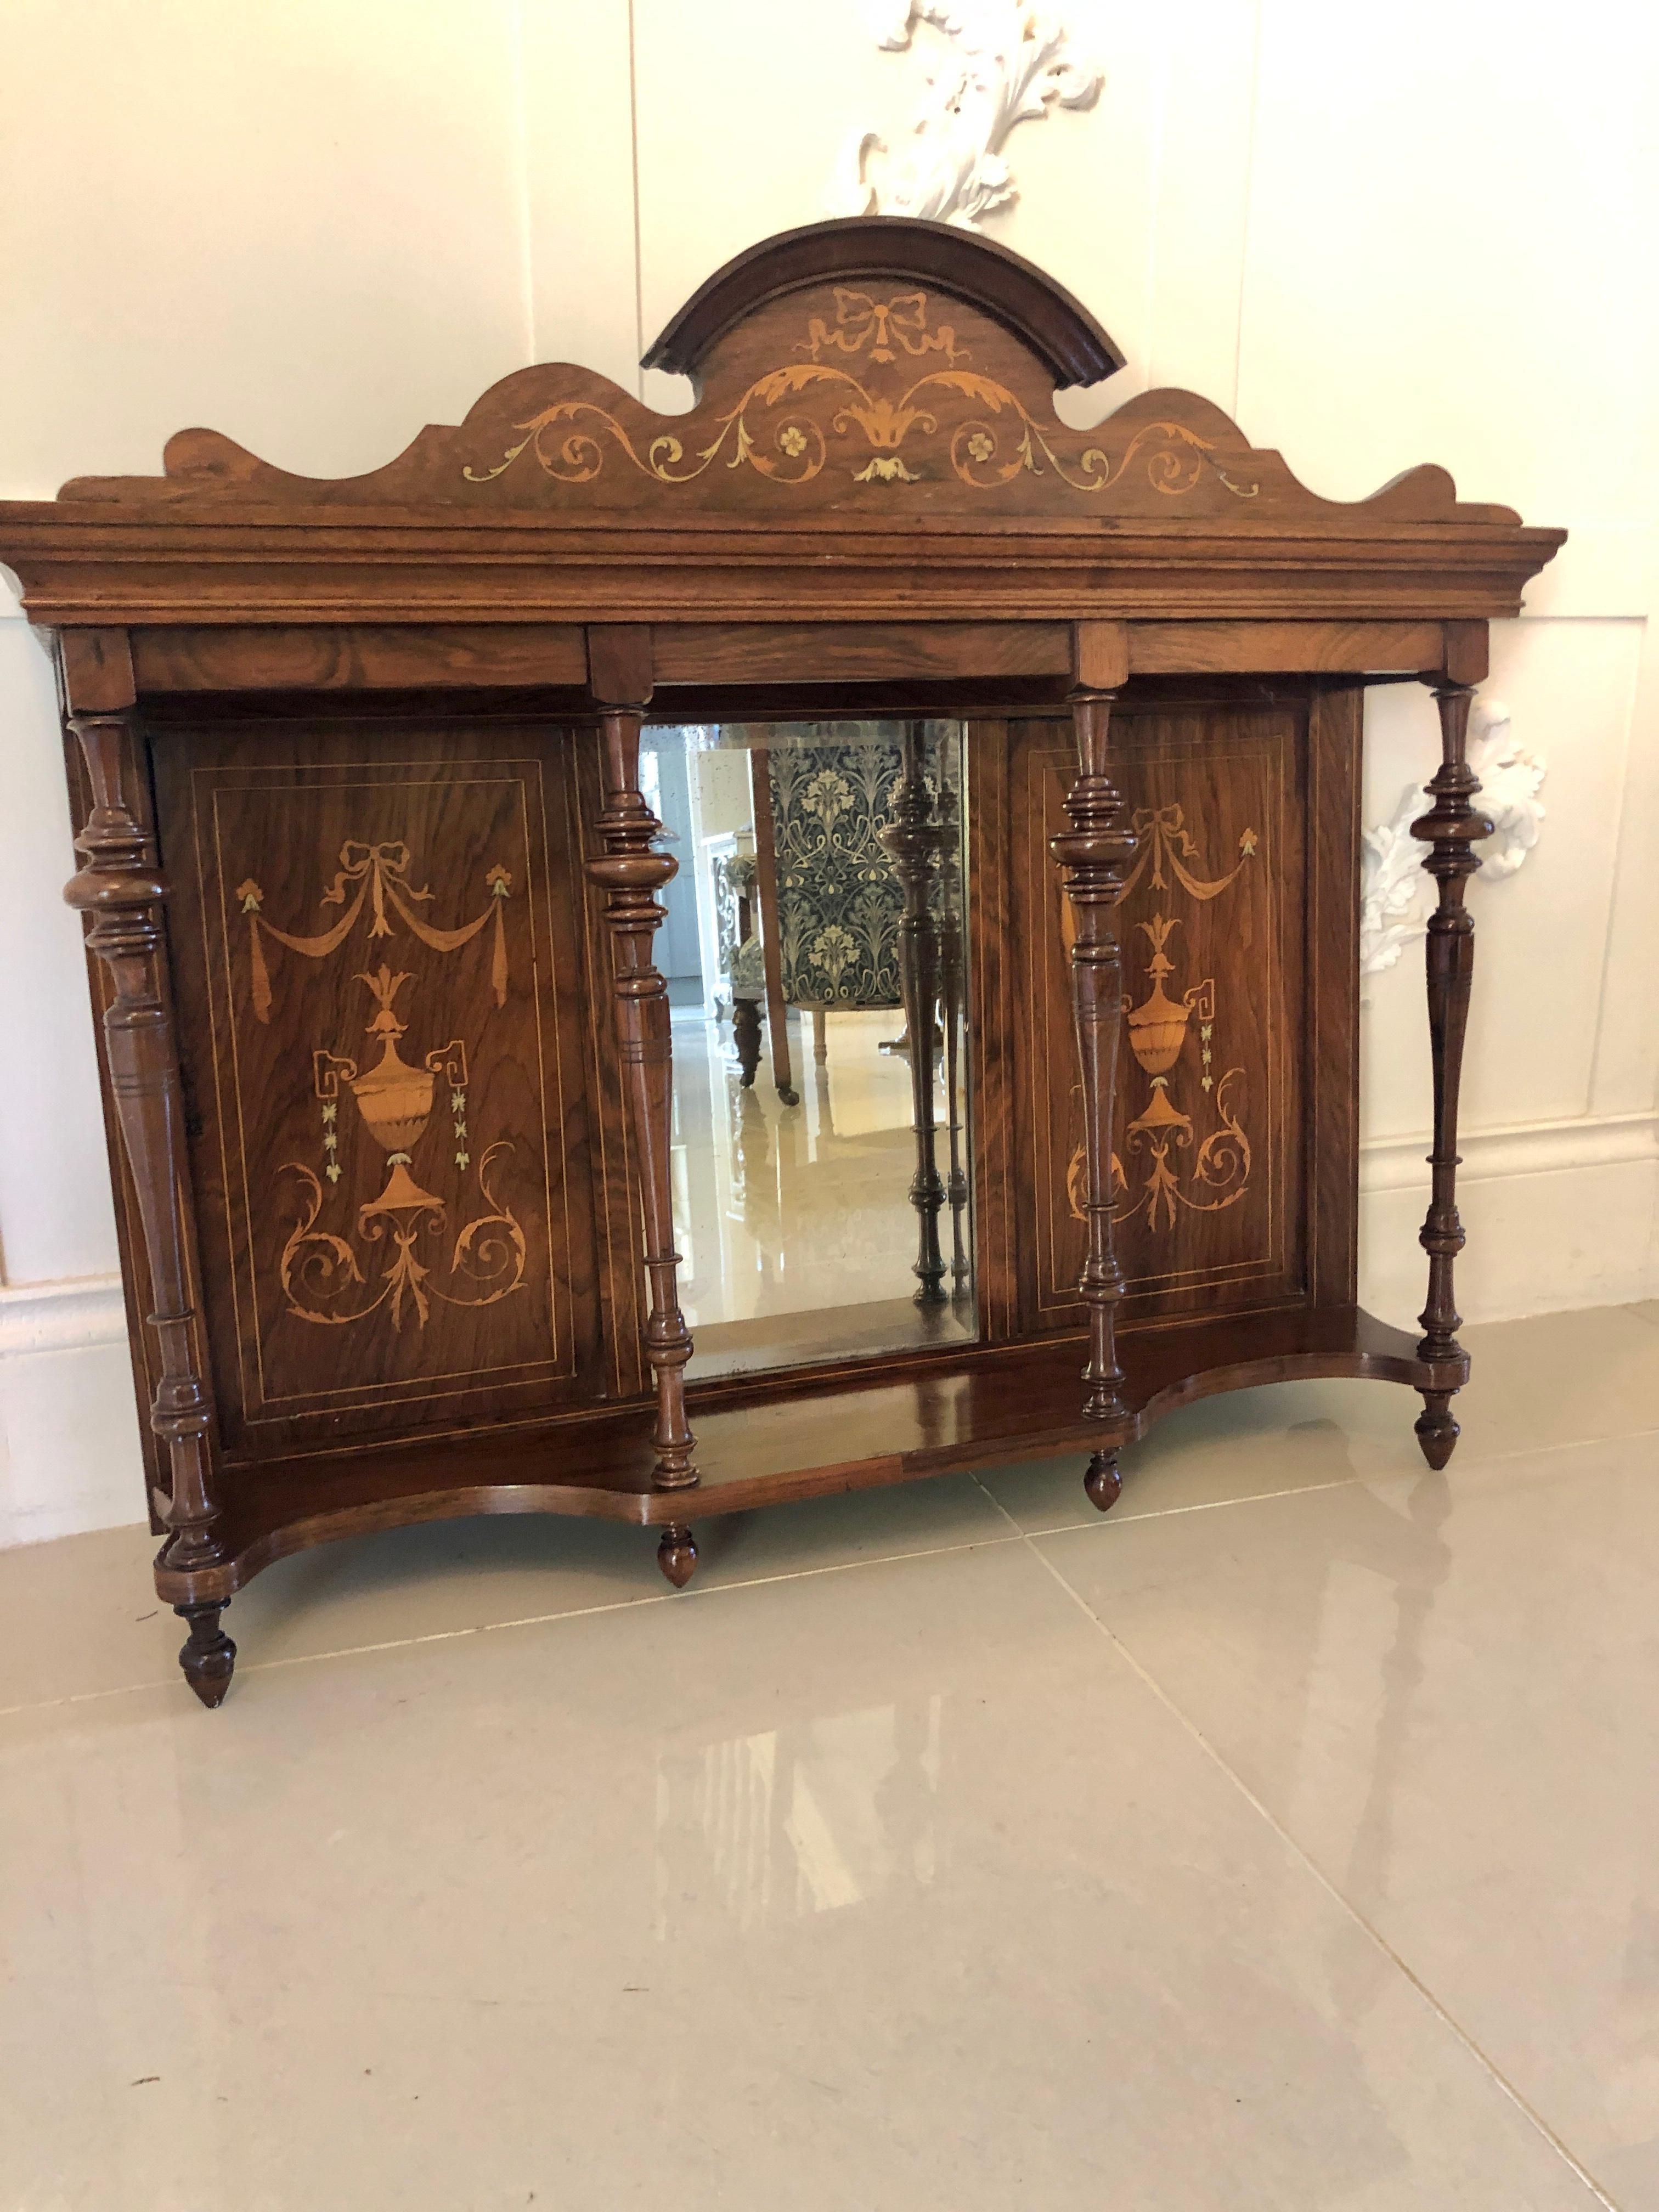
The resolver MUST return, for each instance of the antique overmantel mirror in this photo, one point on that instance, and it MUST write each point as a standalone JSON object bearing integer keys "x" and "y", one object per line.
{"x": 652, "y": 964}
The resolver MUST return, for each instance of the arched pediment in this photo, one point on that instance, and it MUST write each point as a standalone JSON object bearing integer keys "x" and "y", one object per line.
{"x": 894, "y": 253}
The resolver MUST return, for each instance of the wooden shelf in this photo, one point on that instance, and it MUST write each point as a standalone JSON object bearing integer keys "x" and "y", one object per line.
{"x": 980, "y": 1409}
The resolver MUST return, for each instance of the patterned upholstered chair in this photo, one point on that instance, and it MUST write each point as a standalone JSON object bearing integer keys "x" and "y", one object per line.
{"x": 829, "y": 899}
{"x": 839, "y": 899}
{"x": 812, "y": 921}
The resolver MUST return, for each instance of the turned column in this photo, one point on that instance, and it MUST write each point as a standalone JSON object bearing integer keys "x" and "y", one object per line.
{"x": 120, "y": 891}
{"x": 1451, "y": 829}
{"x": 771, "y": 928}
{"x": 912, "y": 840}
{"x": 630, "y": 872}
{"x": 953, "y": 1003}
{"x": 1094, "y": 855}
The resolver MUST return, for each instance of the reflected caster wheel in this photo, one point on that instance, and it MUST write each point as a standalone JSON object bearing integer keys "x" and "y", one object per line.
{"x": 208, "y": 1655}
{"x": 1102, "y": 1483}
{"x": 677, "y": 1554}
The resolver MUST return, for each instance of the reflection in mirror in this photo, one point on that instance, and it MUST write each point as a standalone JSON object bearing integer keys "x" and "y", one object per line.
{"x": 815, "y": 951}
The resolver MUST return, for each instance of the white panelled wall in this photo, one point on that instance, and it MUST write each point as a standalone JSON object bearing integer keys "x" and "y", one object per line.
{"x": 1378, "y": 237}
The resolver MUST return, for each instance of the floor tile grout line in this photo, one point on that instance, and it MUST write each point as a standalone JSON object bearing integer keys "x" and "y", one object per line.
{"x": 836, "y": 1566}
{"x": 974, "y": 1477}
{"x": 1118, "y": 1520}
{"x": 525, "y": 1620}
{"x": 1339, "y": 1896}
{"x": 1535, "y": 1451}
{"x": 1114, "y": 1520}
{"x": 1466, "y": 1467}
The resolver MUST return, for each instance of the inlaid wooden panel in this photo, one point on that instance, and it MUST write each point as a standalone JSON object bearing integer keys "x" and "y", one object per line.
{"x": 382, "y": 981}
{"x": 1207, "y": 1146}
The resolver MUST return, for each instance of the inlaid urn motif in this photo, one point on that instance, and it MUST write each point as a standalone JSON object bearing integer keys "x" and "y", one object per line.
{"x": 1158, "y": 1138}
{"x": 1157, "y": 1027}
{"x": 395, "y": 1101}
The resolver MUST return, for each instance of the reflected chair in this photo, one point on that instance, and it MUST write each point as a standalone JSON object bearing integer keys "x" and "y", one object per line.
{"x": 857, "y": 842}
{"x": 829, "y": 896}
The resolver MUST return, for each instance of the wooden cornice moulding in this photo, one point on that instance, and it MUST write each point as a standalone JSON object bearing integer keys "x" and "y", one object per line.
{"x": 324, "y": 568}
{"x": 875, "y": 438}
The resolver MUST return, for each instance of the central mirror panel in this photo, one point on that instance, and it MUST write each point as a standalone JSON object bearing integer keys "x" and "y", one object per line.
{"x": 816, "y": 954}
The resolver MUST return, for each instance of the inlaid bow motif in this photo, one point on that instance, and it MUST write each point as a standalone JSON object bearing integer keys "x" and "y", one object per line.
{"x": 881, "y": 324}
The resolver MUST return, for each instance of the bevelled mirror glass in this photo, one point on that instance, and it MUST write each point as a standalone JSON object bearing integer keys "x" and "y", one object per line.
{"x": 815, "y": 957}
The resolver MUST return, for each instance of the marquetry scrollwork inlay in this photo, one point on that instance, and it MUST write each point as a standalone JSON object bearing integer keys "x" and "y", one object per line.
{"x": 321, "y": 1271}
{"x": 1145, "y": 1177}
{"x": 804, "y": 416}
{"x": 1395, "y": 891}
{"x": 1009, "y": 63}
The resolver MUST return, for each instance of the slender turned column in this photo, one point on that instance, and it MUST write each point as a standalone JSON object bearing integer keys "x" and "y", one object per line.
{"x": 953, "y": 1003}
{"x": 912, "y": 840}
{"x": 1451, "y": 829}
{"x": 1093, "y": 855}
{"x": 771, "y": 932}
{"x": 631, "y": 871}
{"x": 120, "y": 889}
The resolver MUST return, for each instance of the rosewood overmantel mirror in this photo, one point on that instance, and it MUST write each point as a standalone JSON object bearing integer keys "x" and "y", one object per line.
{"x": 648, "y": 965}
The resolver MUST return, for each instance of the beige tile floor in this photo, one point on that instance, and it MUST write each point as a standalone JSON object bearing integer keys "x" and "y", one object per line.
{"x": 1286, "y": 1839}
{"x": 799, "y": 1217}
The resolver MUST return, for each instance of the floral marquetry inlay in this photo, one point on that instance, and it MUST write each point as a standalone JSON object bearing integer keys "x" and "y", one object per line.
{"x": 1199, "y": 1176}
{"x": 885, "y": 425}
{"x": 1157, "y": 1029}
{"x": 883, "y": 372}
{"x": 323, "y": 1272}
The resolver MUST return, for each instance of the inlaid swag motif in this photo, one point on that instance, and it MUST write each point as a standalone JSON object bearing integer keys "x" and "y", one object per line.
{"x": 320, "y": 1269}
{"x": 887, "y": 425}
{"x": 381, "y": 875}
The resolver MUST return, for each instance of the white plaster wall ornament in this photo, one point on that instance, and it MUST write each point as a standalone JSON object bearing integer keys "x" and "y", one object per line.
{"x": 1396, "y": 895}
{"x": 1008, "y": 64}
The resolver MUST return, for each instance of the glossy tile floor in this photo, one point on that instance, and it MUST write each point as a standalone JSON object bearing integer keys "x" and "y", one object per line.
{"x": 1288, "y": 1839}
{"x": 794, "y": 1225}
